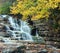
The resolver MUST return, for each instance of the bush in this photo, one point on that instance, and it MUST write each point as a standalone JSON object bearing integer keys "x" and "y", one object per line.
{"x": 5, "y": 8}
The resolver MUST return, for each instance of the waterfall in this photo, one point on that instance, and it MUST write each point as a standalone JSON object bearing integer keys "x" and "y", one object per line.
{"x": 25, "y": 27}
{"x": 12, "y": 23}
{"x": 26, "y": 30}
{"x": 37, "y": 34}
{"x": 20, "y": 27}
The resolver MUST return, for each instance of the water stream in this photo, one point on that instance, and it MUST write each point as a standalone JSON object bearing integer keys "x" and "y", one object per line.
{"x": 20, "y": 27}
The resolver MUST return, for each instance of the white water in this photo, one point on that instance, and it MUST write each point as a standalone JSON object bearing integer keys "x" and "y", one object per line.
{"x": 22, "y": 27}
{"x": 37, "y": 34}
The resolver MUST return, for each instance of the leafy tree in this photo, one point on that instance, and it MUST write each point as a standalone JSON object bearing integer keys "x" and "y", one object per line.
{"x": 36, "y": 8}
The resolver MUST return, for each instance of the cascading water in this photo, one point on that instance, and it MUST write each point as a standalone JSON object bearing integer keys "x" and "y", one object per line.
{"x": 12, "y": 23}
{"x": 25, "y": 30}
{"x": 39, "y": 38}
{"x": 25, "y": 27}
{"x": 21, "y": 27}
{"x": 37, "y": 34}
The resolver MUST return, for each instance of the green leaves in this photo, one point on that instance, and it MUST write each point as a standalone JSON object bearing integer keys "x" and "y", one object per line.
{"x": 5, "y": 8}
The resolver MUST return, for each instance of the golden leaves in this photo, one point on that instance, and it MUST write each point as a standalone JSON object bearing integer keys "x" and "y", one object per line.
{"x": 40, "y": 10}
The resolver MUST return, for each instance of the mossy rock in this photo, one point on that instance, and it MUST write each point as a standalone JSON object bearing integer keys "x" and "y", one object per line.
{"x": 38, "y": 40}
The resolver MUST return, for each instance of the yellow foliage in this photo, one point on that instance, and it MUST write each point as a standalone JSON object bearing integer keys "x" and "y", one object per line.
{"x": 37, "y": 9}
{"x": 14, "y": 10}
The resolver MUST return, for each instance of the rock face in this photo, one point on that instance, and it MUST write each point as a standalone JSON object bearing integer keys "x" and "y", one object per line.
{"x": 41, "y": 26}
{"x": 44, "y": 31}
{"x": 2, "y": 33}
